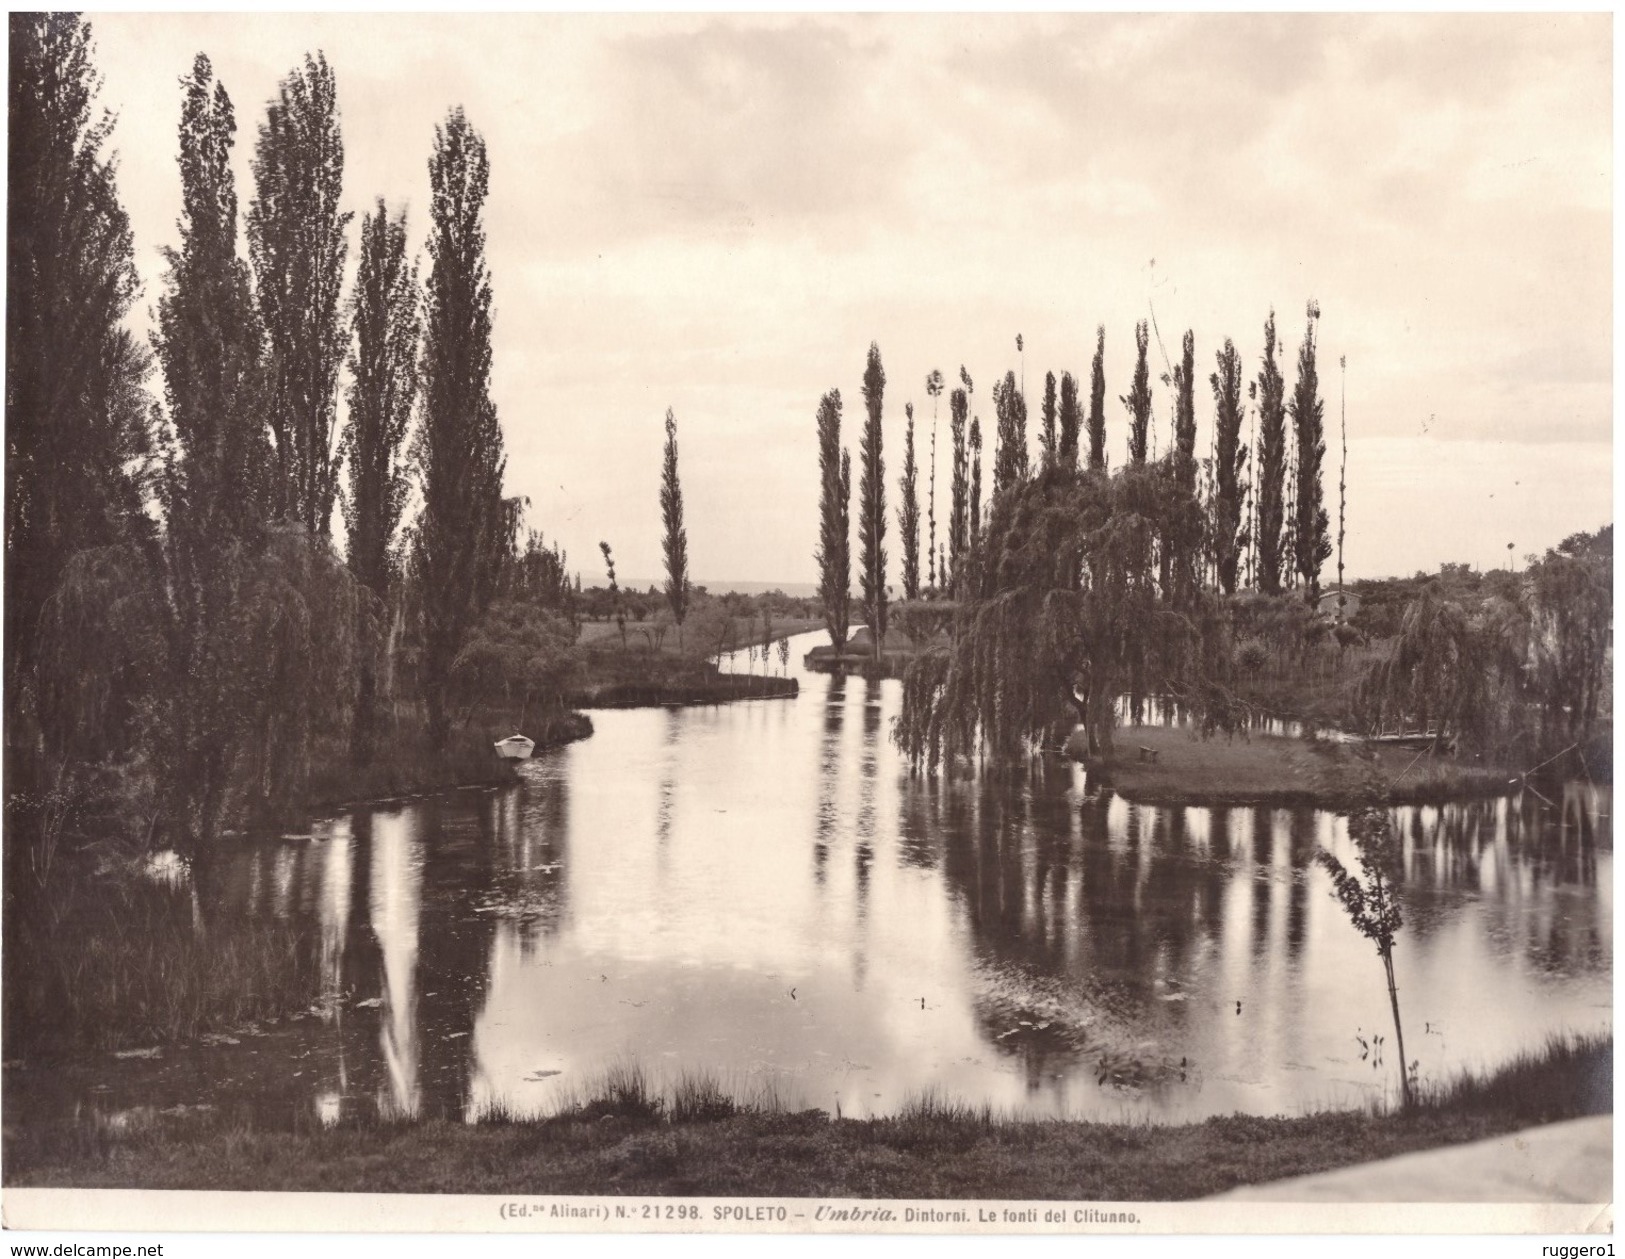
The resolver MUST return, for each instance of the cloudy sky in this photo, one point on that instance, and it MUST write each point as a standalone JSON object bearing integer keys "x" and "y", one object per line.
{"x": 719, "y": 214}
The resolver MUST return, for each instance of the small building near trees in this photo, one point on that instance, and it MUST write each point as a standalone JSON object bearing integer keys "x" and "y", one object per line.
{"x": 1337, "y": 604}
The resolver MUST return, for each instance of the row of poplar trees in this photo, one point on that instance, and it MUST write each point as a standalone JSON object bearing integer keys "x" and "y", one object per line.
{"x": 174, "y": 599}
{"x": 1282, "y": 519}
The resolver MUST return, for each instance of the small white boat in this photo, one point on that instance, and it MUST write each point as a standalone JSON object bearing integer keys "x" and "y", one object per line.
{"x": 515, "y": 747}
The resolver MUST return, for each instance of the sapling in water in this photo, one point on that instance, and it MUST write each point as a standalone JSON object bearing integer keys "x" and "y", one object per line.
{"x": 1373, "y": 904}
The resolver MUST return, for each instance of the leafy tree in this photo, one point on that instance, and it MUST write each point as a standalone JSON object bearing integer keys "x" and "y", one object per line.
{"x": 712, "y": 629}
{"x": 872, "y": 502}
{"x": 1517, "y": 672}
{"x": 516, "y": 648}
{"x": 975, "y": 481}
{"x": 959, "y": 521}
{"x": 1438, "y": 676}
{"x": 933, "y": 388}
{"x": 1071, "y": 418}
{"x": 908, "y": 512}
{"x": 383, "y": 391}
{"x": 209, "y": 340}
{"x": 1066, "y": 572}
{"x": 214, "y": 494}
{"x": 1372, "y": 904}
{"x": 1048, "y": 438}
{"x": 296, "y": 241}
{"x": 1185, "y": 412}
{"x": 538, "y": 574}
{"x": 1230, "y": 536}
{"x": 617, "y": 603}
{"x": 1097, "y": 403}
{"x": 1181, "y": 549}
{"x": 466, "y": 526}
{"x": 1010, "y": 464}
{"x": 75, "y": 411}
{"x": 676, "y": 537}
{"x": 1342, "y": 472}
{"x": 1272, "y": 465}
{"x": 1138, "y": 399}
{"x": 1571, "y": 627}
{"x": 834, "y": 514}
{"x": 1313, "y": 544}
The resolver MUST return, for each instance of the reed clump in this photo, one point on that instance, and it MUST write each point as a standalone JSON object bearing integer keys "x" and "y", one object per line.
{"x": 124, "y": 962}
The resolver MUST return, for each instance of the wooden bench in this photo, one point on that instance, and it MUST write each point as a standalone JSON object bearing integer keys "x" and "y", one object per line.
{"x": 1149, "y": 754}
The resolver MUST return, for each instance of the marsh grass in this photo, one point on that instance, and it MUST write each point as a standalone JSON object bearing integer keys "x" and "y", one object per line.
{"x": 931, "y": 1105}
{"x": 628, "y": 1134}
{"x": 698, "y": 1097}
{"x": 627, "y": 1090}
{"x": 1567, "y": 1075}
{"x": 121, "y": 963}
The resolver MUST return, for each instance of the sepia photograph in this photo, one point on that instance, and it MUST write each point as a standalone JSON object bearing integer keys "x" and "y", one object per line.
{"x": 951, "y": 624}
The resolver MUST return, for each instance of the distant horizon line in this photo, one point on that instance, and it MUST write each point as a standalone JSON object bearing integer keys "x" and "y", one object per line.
{"x": 808, "y": 589}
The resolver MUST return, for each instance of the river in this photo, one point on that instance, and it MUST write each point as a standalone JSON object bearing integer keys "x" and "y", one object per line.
{"x": 764, "y": 893}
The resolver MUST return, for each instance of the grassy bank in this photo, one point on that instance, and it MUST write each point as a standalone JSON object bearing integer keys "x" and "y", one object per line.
{"x": 1177, "y": 768}
{"x": 405, "y": 765}
{"x": 693, "y": 1139}
{"x": 639, "y": 676}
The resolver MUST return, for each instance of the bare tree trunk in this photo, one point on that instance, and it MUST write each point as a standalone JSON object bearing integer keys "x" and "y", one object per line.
{"x": 1399, "y": 1032}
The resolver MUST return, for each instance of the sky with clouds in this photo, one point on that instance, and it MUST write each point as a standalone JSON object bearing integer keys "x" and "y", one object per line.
{"x": 719, "y": 214}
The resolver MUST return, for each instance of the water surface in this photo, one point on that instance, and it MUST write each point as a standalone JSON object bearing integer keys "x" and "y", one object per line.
{"x": 764, "y": 892}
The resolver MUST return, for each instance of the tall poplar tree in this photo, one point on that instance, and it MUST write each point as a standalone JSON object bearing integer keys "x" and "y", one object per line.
{"x": 1138, "y": 399}
{"x": 675, "y": 540}
{"x": 959, "y": 520}
{"x": 466, "y": 527}
{"x": 1097, "y": 403}
{"x": 214, "y": 489}
{"x": 386, "y": 316}
{"x": 75, "y": 412}
{"x": 834, "y": 553}
{"x": 296, "y": 241}
{"x": 1071, "y": 419}
{"x": 1010, "y": 464}
{"x": 1313, "y": 543}
{"x": 872, "y": 500}
{"x": 1185, "y": 412}
{"x": 1271, "y": 465}
{"x": 209, "y": 339}
{"x": 975, "y": 481}
{"x": 1047, "y": 437}
{"x": 908, "y": 512}
{"x": 933, "y": 388}
{"x": 1230, "y": 458}
{"x": 1342, "y": 471}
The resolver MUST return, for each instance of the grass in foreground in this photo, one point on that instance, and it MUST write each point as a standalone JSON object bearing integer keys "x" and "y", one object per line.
{"x": 630, "y": 1139}
{"x": 1272, "y": 769}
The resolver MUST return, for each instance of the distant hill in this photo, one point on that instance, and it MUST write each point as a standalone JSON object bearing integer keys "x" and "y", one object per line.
{"x": 718, "y": 586}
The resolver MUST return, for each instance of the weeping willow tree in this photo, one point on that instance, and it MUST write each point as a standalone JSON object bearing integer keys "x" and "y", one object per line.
{"x": 220, "y": 716}
{"x": 1523, "y": 676}
{"x": 1571, "y": 618}
{"x": 1445, "y": 673}
{"x": 1065, "y": 612}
